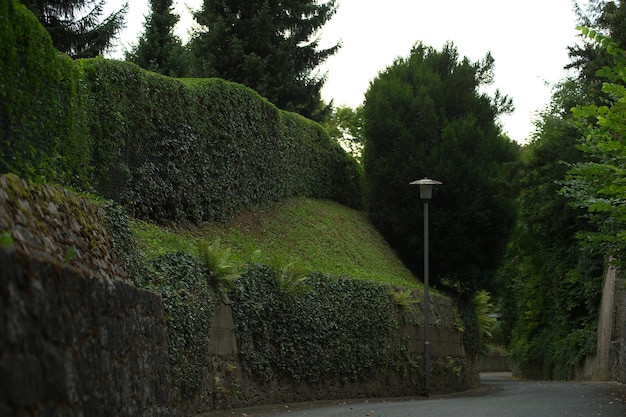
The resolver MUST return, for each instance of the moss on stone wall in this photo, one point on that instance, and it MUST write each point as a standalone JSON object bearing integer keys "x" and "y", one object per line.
{"x": 52, "y": 223}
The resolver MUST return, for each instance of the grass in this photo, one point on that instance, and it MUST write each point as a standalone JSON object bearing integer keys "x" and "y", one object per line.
{"x": 312, "y": 234}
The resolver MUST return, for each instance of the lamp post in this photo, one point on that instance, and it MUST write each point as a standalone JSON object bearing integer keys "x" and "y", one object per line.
{"x": 426, "y": 193}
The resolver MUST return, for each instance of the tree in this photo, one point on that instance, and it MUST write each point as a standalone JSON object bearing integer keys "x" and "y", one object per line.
{"x": 159, "y": 49}
{"x": 345, "y": 125}
{"x": 549, "y": 285}
{"x": 424, "y": 116}
{"x": 75, "y": 26}
{"x": 598, "y": 183}
{"x": 555, "y": 283}
{"x": 268, "y": 45}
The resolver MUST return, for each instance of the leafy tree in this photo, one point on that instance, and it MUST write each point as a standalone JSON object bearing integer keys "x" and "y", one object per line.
{"x": 554, "y": 283}
{"x": 345, "y": 125}
{"x": 159, "y": 49}
{"x": 598, "y": 183}
{"x": 268, "y": 45}
{"x": 75, "y": 25}
{"x": 425, "y": 116}
{"x": 551, "y": 302}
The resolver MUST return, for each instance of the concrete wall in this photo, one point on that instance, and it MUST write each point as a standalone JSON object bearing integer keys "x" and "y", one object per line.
{"x": 494, "y": 363}
{"x": 609, "y": 361}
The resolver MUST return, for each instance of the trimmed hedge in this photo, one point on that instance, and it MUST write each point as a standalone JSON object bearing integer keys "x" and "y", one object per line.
{"x": 43, "y": 133}
{"x": 165, "y": 148}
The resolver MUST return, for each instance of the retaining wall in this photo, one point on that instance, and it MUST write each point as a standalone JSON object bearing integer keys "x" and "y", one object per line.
{"x": 77, "y": 338}
{"x": 452, "y": 370}
{"x": 75, "y": 345}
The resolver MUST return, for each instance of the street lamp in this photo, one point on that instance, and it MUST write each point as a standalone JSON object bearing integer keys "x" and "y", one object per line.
{"x": 426, "y": 193}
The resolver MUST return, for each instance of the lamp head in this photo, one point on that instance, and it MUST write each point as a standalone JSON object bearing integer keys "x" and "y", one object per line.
{"x": 426, "y": 187}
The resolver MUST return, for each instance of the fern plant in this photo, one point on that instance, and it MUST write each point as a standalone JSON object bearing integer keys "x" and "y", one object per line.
{"x": 223, "y": 267}
{"x": 291, "y": 277}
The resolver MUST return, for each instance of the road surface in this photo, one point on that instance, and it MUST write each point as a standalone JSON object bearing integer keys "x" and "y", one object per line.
{"x": 499, "y": 396}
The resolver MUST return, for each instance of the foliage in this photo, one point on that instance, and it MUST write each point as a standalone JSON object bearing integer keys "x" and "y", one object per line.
{"x": 43, "y": 135}
{"x": 223, "y": 269}
{"x": 75, "y": 26}
{"x": 6, "y": 240}
{"x": 404, "y": 298}
{"x": 164, "y": 148}
{"x": 189, "y": 305}
{"x": 483, "y": 307}
{"x": 201, "y": 149}
{"x": 598, "y": 183}
{"x": 553, "y": 285}
{"x": 291, "y": 277}
{"x": 159, "y": 49}
{"x": 183, "y": 282}
{"x": 269, "y": 46}
{"x": 424, "y": 116}
{"x": 128, "y": 254}
{"x": 338, "y": 329}
{"x": 345, "y": 125}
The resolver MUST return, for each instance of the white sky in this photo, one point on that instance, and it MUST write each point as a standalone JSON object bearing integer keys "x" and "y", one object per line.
{"x": 528, "y": 40}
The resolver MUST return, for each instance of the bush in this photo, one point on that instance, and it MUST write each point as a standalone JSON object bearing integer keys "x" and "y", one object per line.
{"x": 164, "y": 148}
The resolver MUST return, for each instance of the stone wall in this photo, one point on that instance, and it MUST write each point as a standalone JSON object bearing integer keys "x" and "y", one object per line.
{"x": 54, "y": 224}
{"x": 76, "y": 337}
{"x": 77, "y": 345}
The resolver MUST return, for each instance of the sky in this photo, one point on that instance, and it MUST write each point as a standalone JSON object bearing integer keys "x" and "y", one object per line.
{"x": 528, "y": 40}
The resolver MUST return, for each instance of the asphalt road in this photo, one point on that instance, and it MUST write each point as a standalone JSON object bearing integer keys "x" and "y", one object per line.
{"x": 499, "y": 396}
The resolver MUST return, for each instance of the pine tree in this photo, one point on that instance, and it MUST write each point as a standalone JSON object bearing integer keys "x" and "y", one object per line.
{"x": 268, "y": 45}
{"x": 158, "y": 49}
{"x": 75, "y": 26}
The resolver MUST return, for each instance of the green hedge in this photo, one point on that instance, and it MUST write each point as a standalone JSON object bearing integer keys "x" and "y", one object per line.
{"x": 163, "y": 147}
{"x": 43, "y": 134}
{"x": 201, "y": 149}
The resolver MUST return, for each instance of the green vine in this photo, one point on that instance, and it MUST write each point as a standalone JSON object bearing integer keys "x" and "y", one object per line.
{"x": 338, "y": 329}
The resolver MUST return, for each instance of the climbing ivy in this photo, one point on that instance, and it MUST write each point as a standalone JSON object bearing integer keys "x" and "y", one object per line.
{"x": 339, "y": 328}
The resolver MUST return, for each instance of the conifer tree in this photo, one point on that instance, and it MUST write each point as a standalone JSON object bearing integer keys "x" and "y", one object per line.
{"x": 75, "y": 26}
{"x": 426, "y": 116}
{"x": 271, "y": 46}
{"x": 159, "y": 49}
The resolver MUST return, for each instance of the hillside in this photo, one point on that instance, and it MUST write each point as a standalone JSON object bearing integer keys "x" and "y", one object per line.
{"x": 317, "y": 235}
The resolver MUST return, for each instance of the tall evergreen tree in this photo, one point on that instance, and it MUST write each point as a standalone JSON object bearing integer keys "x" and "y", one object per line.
{"x": 75, "y": 26}
{"x": 425, "y": 116}
{"x": 159, "y": 49}
{"x": 269, "y": 45}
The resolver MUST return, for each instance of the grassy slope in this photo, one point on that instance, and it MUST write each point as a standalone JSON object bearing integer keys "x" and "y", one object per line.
{"x": 317, "y": 235}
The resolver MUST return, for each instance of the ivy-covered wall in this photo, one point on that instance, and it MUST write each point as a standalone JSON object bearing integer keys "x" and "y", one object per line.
{"x": 165, "y": 148}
